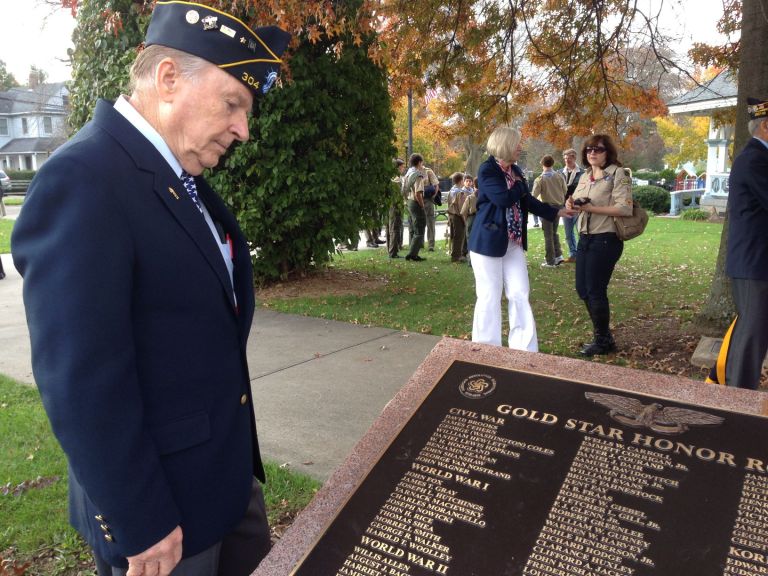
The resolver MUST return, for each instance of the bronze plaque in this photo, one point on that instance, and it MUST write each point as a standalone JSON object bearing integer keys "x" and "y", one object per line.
{"x": 501, "y": 472}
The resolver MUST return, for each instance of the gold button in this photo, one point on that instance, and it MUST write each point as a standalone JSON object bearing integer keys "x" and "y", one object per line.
{"x": 108, "y": 538}
{"x": 104, "y": 528}
{"x": 99, "y": 517}
{"x": 243, "y": 399}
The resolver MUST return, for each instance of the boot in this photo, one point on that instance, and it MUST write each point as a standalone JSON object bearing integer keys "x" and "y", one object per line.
{"x": 603, "y": 342}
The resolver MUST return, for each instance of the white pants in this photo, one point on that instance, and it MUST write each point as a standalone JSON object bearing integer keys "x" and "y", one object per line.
{"x": 491, "y": 274}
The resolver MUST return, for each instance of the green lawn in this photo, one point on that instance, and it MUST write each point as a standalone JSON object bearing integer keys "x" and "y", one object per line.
{"x": 33, "y": 487}
{"x": 6, "y": 226}
{"x": 666, "y": 271}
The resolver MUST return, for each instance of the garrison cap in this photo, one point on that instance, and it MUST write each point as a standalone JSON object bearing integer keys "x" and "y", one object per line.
{"x": 757, "y": 108}
{"x": 251, "y": 56}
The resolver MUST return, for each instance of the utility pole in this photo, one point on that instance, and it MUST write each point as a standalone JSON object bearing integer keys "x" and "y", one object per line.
{"x": 410, "y": 124}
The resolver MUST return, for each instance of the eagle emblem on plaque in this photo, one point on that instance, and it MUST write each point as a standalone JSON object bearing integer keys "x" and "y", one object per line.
{"x": 659, "y": 418}
{"x": 477, "y": 386}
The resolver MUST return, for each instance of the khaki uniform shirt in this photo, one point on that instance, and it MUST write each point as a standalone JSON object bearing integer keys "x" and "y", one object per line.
{"x": 409, "y": 192}
{"x": 550, "y": 188}
{"x": 613, "y": 189}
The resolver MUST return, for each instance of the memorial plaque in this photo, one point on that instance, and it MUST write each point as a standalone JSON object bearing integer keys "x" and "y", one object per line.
{"x": 501, "y": 472}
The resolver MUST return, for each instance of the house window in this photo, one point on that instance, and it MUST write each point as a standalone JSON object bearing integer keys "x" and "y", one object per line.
{"x": 3, "y": 126}
{"x": 24, "y": 126}
{"x": 47, "y": 125}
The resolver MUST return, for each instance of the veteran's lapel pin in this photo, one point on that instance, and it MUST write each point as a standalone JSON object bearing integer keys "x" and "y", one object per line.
{"x": 243, "y": 40}
{"x": 173, "y": 192}
{"x": 210, "y": 23}
{"x": 193, "y": 16}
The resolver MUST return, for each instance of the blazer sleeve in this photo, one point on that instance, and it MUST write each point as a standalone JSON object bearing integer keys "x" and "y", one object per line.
{"x": 541, "y": 209}
{"x": 74, "y": 249}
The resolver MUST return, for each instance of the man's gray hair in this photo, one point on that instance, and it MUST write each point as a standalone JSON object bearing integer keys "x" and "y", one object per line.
{"x": 753, "y": 124}
{"x": 145, "y": 66}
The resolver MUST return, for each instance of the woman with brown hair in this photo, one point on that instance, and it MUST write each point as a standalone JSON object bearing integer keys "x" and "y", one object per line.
{"x": 604, "y": 192}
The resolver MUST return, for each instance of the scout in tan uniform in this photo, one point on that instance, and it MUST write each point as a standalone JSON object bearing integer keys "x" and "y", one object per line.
{"x": 604, "y": 191}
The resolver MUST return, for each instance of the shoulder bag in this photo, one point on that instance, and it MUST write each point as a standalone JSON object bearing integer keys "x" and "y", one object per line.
{"x": 628, "y": 227}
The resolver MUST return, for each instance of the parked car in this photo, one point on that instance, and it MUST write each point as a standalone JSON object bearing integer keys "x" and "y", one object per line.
{"x": 5, "y": 182}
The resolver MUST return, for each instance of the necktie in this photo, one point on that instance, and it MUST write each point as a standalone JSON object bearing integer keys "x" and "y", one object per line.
{"x": 189, "y": 184}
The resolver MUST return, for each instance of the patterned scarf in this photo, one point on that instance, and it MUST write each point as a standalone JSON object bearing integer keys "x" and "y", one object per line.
{"x": 515, "y": 213}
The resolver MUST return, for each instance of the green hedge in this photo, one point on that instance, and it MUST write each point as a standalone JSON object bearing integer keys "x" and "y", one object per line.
{"x": 652, "y": 198}
{"x": 21, "y": 174}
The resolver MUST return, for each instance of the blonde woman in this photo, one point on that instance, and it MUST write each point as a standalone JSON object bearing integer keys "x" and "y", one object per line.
{"x": 498, "y": 243}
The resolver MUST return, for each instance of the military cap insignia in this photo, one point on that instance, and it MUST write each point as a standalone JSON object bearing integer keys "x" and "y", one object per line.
{"x": 193, "y": 17}
{"x": 269, "y": 81}
{"x": 210, "y": 23}
{"x": 757, "y": 108}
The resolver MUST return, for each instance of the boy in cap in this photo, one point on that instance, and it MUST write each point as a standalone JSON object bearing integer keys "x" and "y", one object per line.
{"x": 139, "y": 298}
{"x": 747, "y": 258}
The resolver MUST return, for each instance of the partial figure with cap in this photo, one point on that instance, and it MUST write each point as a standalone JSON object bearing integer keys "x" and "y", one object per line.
{"x": 138, "y": 290}
{"x": 747, "y": 257}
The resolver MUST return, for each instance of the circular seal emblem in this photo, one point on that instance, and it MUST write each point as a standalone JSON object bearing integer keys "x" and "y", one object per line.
{"x": 193, "y": 16}
{"x": 477, "y": 386}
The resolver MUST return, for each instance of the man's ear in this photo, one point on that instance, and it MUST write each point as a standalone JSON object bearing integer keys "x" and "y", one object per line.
{"x": 167, "y": 79}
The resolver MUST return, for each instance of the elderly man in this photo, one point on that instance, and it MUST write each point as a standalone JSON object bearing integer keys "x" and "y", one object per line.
{"x": 748, "y": 252}
{"x": 139, "y": 299}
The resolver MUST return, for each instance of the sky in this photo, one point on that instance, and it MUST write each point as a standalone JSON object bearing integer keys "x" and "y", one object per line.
{"x": 39, "y": 35}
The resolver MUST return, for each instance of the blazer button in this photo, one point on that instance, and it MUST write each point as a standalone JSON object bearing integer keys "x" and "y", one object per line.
{"x": 243, "y": 399}
{"x": 108, "y": 538}
{"x": 99, "y": 517}
{"x": 104, "y": 528}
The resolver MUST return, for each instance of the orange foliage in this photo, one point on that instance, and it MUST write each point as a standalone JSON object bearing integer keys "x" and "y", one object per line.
{"x": 556, "y": 66}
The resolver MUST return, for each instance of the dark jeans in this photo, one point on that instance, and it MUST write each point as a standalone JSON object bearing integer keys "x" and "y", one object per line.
{"x": 596, "y": 258}
{"x": 749, "y": 341}
{"x": 418, "y": 220}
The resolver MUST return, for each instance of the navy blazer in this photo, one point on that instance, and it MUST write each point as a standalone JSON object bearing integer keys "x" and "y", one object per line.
{"x": 138, "y": 348}
{"x": 748, "y": 214}
{"x": 489, "y": 235}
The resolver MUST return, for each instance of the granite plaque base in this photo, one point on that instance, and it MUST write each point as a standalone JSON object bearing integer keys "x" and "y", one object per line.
{"x": 498, "y": 469}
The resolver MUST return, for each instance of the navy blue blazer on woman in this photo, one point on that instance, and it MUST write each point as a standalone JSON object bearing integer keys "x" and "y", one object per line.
{"x": 138, "y": 343}
{"x": 489, "y": 235}
{"x": 748, "y": 213}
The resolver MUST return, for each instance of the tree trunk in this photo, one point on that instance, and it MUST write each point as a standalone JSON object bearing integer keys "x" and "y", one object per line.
{"x": 475, "y": 154}
{"x": 753, "y": 81}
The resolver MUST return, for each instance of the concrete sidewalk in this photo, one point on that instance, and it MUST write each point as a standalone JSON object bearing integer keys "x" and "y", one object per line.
{"x": 318, "y": 384}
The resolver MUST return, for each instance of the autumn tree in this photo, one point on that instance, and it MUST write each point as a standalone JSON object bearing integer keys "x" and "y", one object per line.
{"x": 7, "y": 81}
{"x": 562, "y": 69}
{"x": 685, "y": 138}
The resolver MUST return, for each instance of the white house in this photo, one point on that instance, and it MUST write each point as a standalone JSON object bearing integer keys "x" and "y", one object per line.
{"x": 706, "y": 100}
{"x": 33, "y": 123}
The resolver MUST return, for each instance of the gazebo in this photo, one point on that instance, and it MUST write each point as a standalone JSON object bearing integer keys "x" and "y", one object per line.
{"x": 717, "y": 94}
